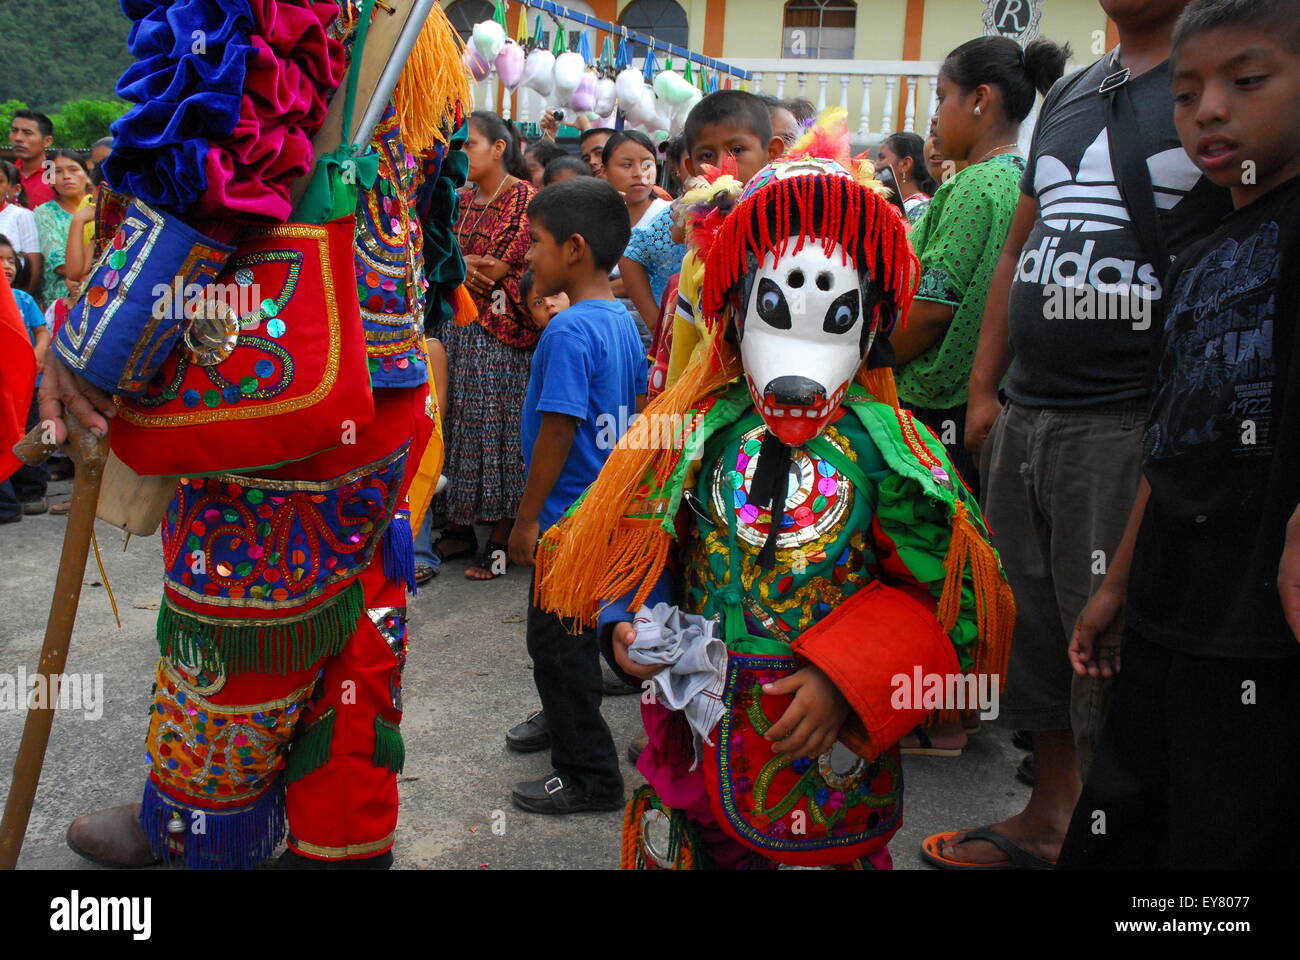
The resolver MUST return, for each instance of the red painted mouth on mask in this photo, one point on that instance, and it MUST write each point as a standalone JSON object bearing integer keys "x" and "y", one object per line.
{"x": 794, "y": 424}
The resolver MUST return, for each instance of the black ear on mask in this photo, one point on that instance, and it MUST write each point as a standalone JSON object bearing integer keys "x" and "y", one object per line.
{"x": 872, "y": 297}
{"x": 744, "y": 290}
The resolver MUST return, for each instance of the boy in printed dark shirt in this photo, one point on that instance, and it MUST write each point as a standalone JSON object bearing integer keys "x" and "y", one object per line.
{"x": 1206, "y": 703}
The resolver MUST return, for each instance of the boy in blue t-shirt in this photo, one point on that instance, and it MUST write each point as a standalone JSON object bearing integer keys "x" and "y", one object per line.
{"x": 589, "y": 371}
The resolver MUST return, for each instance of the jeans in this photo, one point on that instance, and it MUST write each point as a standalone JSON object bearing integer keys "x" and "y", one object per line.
{"x": 424, "y": 555}
{"x": 566, "y": 669}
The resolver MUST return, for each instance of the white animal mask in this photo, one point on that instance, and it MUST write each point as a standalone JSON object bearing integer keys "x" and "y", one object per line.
{"x": 803, "y": 337}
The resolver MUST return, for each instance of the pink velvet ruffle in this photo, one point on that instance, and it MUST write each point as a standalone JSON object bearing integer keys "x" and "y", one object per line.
{"x": 294, "y": 70}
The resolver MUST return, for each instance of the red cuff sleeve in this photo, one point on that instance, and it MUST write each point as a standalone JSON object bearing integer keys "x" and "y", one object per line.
{"x": 879, "y": 634}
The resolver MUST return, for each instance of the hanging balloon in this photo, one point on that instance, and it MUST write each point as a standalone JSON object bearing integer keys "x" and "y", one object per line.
{"x": 681, "y": 112}
{"x": 539, "y": 72}
{"x": 673, "y": 88}
{"x": 628, "y": 87}
{"x": 568, "y": 72}
{"x": 489, "y": 37}
{"x": 584, "y": 98}
{"x": 474, "y": 62}
{"x": 606, "y": 95}
{"x": 663, "y": 115}
{"x": 646, "y": 114}
{"x": 510, "y": 64}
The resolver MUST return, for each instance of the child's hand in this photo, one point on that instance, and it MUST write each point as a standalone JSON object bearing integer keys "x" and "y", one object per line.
{"x": 624, "y": 635}
{"x": 1098, "y": 634}
{"x": 811, "y": 724}
{"x": 523, "y": 541}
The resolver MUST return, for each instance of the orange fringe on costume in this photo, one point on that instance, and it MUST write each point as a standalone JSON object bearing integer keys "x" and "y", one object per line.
{"x": 433, "y": 90}
{"x": 995, "y": 604}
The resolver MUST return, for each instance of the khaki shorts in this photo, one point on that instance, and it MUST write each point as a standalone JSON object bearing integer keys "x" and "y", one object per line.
{"x": 1058, "y": 488}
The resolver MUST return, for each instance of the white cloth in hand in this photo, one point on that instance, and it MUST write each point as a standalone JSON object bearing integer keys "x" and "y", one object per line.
{"x": 694, "y": 663}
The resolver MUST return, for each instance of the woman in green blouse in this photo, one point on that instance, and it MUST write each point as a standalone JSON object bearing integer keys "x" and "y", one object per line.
{"x": 985, "y": 89}
{"x": 53, "y": 219}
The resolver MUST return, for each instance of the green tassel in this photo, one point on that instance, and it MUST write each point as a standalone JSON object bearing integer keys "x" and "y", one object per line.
{"x": 242, "y": 648}
{"x": 311, "y": 747}
{"x": 390, "y": 751}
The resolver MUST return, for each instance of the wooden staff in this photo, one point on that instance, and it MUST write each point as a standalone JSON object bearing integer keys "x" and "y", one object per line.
{"x": 89, "y": 454}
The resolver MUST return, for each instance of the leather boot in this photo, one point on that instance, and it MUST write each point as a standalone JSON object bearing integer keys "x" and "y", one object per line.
{"x": 112, "y": 838}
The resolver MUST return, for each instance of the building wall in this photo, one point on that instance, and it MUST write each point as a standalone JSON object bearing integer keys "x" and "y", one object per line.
{"x": 948, "y": 23}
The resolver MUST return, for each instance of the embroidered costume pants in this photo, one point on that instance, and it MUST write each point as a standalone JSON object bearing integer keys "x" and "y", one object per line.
{"x": 283, "y": 636}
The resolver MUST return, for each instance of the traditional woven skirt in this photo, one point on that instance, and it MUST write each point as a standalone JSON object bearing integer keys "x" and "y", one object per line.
{"x": 484, "y": 465}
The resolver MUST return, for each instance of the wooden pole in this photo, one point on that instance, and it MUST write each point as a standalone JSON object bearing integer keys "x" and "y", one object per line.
{"x": 89, "y": 454}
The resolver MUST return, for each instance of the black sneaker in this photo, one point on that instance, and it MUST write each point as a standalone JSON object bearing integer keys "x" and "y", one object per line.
{"x": 556, "y": 795}
{"x": 529, "y": 736}
{"x": 34, "y": 508}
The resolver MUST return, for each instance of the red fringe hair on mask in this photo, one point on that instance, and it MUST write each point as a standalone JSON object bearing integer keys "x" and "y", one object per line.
{"x": 827, "y": 208}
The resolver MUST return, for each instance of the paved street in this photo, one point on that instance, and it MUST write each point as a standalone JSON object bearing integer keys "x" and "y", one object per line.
{"x": 467, "y": 680}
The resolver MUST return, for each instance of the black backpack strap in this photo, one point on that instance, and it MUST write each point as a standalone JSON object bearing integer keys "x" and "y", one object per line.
{"x": 1130, "y": 165}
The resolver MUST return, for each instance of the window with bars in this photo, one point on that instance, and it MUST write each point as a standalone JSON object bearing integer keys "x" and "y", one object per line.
{"x": 819, "y": 29}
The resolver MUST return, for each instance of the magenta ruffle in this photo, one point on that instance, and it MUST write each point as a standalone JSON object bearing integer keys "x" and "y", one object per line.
{"x": 295, "y": 68}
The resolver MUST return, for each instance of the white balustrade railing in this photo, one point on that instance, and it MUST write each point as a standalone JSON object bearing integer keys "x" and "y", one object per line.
{"x": 869, "y": 90}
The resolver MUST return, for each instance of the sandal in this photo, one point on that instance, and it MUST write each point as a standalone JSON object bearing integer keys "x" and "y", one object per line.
{"x": 424, "y": 572}
{"x": 461, "y": 535}
{"x": 487, "y": 561}
{"x": 925, "y": 746}
{"x": 1018, "y": 858}
{"x": 61, "y": 509}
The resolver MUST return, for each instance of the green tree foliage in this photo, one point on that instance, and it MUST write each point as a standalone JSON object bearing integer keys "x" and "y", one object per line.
{"x": 7, "y": 111}
{"x": 81, "y": 122}
{"x": 56, "y": 51}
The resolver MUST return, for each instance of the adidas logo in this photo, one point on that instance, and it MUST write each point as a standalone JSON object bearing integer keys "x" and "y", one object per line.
{"x": 1089, "y": 202}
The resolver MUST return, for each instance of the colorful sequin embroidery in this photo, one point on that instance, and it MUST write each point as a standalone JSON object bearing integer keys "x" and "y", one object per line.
{"x": 391, "y": 624}
{"x": 778, "y": 803}
{"x": 822, "y": 557}
{"x": 276, "y": 544}
{"x": 227, "y": 753}
{"x": 389, "y": 265}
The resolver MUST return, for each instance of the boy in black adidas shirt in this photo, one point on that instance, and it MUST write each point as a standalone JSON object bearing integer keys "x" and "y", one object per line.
{"x": 1197, "y": 766}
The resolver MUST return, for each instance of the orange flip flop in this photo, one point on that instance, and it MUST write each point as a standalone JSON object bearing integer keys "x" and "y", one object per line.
{"x": 1018, "y": 858}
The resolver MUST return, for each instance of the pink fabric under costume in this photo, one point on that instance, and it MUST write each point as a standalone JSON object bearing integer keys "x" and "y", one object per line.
{"x": 294, "y": 70}
{"x": 665, "y": 763}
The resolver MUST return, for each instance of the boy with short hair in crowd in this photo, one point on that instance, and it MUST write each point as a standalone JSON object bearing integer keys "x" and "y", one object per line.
{"x": 1196, "y": 766}
{"x": 588, "y": 367}
{"x": 730, "y": 125}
